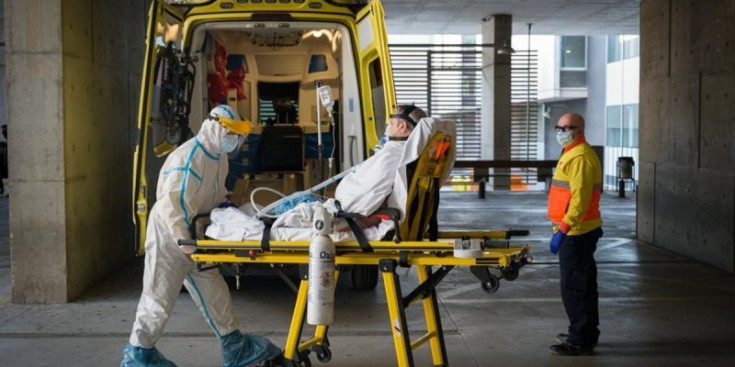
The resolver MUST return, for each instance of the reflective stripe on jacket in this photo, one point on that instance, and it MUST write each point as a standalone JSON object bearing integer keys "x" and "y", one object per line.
{"x": 574, "y": 197}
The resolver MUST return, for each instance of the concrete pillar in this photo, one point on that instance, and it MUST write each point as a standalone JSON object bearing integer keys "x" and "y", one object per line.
{"x": 72, "y": 89}
{"x": 36, "y": 150}
{"x": 686, "y": 192}
{"x": 495, "y": 127}
{"x": 2, "y": 64}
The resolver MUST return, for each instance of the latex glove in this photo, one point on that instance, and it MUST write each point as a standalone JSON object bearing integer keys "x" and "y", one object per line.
{"x": 188, "y": 249}
{"x": 556, "y": 241}
{"x": 227, "y": 204}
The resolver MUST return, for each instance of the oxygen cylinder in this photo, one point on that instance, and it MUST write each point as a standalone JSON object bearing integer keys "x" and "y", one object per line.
{"x": 320, "y": 297}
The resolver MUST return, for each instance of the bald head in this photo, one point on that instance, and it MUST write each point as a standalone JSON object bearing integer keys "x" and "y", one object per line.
{"x": 573, "y": 122}
{"x": 572, "y": 119}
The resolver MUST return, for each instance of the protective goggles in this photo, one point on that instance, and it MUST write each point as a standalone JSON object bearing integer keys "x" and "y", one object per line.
{"x": 236, "y": 126}
{"x": 405, "y": 115}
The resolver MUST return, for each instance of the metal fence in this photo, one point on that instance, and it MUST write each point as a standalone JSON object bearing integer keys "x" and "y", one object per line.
{"x": 447, "y": 81}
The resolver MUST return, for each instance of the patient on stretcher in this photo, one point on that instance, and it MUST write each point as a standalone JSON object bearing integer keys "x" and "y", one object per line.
{"x": 378, "y": 182}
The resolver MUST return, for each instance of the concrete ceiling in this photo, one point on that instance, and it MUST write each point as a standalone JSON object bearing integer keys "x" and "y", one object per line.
{"x": 559, "y": 17}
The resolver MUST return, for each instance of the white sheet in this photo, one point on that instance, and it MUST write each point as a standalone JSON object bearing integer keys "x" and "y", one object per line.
{"x": 295, "y": 225}
{"x": 232, "y": 224}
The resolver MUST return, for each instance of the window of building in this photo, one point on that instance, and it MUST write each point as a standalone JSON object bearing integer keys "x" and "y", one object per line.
{"x": 614, "y": 126}
{"x": 622, "y": 47}
{"x": 573, "y": 52}
{"x": 622, "y": 126}
{"x": 630, "y": 126}
{"x": 614, "y": 49}
{"x": 631, "y": 46}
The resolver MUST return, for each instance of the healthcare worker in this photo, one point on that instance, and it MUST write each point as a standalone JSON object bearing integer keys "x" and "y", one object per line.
{"x": 574, "y": 211}
{"x": 191, "y": 182}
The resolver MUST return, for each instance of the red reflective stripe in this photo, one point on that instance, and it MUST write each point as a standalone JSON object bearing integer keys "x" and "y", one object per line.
{"x": 593, "y": 212}
{"x": 558, "y": 201}
{"x": 559, "y": 198}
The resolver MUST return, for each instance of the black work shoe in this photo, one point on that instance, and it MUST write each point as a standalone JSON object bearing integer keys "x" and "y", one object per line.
{"x": 562, "y": 338}
{"x": 566, "y": 349}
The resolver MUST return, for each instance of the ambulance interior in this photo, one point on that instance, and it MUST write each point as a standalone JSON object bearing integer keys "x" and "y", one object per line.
{"x": 268, "y": 72}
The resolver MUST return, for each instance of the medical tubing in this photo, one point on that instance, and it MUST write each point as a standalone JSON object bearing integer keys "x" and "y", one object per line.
{"x": 264, "y": 212}
{"x": 334, "y": 144}
{"x": 319, "y": 146}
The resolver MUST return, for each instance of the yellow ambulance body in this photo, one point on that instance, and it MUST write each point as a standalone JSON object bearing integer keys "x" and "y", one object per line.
{"x": 263, "y": 58}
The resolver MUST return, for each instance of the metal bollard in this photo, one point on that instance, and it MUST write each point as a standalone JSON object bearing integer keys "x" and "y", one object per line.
{"x": 621, "y": 188}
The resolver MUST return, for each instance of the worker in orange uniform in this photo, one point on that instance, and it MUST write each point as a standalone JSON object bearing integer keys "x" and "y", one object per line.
{"x": 574, "y": 210}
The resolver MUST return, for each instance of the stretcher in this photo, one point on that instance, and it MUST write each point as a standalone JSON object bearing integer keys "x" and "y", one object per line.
{"x": 433, "y": 259}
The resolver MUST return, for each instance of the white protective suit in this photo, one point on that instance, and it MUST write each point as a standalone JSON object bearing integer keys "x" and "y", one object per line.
{"x": 191, "y": 182}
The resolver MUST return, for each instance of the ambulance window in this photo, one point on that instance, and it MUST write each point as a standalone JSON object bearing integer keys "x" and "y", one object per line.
{"x": 376, "y": 88}
{"x": 278, "y": 103}
{"x": 317, "y": 63}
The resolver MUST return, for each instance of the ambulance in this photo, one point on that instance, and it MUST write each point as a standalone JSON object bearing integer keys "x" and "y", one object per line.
{"x": 267, "y": 59}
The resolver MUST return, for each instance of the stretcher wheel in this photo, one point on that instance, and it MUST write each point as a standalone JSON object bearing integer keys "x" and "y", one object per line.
{"x": 304, "y": 361}
{"x": 324, "y": 355}
{"x": 491, "y": 285}
{"x": 364, "y": 276}
{"x": 510, "y": 274}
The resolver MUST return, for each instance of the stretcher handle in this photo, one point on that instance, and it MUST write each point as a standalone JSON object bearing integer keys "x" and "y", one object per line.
{"x": 193, "y": 227}
{"x": 392, "y": 214}
{"x": 518, "y": 232}
{"x": 192, "y": 242}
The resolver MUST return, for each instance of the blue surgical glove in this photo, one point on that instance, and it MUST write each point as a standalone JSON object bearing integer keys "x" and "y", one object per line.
{"x": 286, "y": 205}
{"x": 556, "y": 241}
{"x": 227, "y": 204}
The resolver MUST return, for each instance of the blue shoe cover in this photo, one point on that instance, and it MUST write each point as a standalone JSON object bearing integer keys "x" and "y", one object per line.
{"x": 240, "y": 350}
{"x": 142, "y": 357}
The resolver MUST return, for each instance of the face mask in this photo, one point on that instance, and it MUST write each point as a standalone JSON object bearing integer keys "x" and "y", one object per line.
{"x": 564, "y": 137}
{"x": 229, "y": 143}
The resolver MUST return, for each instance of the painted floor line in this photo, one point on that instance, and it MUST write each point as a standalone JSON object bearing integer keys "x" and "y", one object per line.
{"x": 602, "y": 300}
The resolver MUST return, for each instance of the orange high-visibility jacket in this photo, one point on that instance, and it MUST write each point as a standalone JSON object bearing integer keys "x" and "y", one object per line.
{"x": 574, "y": 197}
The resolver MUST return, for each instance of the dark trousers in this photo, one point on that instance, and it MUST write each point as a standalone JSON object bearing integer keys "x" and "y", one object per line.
{"x": 579, "y": 287}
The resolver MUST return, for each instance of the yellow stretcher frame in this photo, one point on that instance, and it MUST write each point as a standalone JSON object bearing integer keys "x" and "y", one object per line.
{"x": 388, "y": 255}
{"x": 408, "y": 249}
